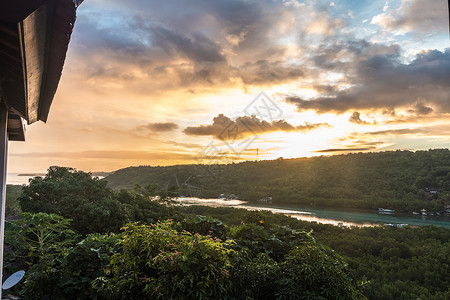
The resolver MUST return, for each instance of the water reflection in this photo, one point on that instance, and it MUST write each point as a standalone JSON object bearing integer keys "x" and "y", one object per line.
{"x": 331, "y": 221}
{"x": 326, "y": 216}
{"x": 209, "y": 202}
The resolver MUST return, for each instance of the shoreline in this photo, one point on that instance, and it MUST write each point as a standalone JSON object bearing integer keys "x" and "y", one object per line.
{"x": 342, "y": 217}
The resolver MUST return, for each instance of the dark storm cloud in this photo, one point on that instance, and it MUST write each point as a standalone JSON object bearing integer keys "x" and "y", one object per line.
{"x": 325, "y": 89}
{"x": 414, "y": 118}
{"x": 158, "y": 127}
{"x": 155, "y": 45}
{"x": 151, "y": 46}
{"x": 420, "y": 109}
{"x": 383, "y": 82}
{"x": 369, "y": 143}
{"x": 397, "y": 131}
{"x": 435, "y": 130}
{"x": 356, "y": 118}
{"x": 197, "y": 48}
{"x": 342, "y": 53}
{"x": 224, "y": 128}
{"x": 355, "y": 145}
{"x": 151, "y": 49}
{"x": 263, "y": 71}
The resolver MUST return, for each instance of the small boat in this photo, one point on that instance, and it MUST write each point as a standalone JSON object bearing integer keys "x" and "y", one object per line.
{"x": 415, "y": 213}
{"x": 386, "y": 211}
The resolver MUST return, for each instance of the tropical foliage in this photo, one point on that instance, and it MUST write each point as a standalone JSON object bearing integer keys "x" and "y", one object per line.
{"x": 399, "y": 180}
{"x": 75, "y": 195}
{"x": 164, "y": 261}
{"x": 394, "y": 263}
{"x": 93, "y": 207}
{"x": 171, "y": 252}
{"x": 12, "y": 207}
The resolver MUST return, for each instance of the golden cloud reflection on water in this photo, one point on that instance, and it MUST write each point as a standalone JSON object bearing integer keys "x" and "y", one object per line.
{"x": 330, "y": 221}
{"x": 209, "y": 202}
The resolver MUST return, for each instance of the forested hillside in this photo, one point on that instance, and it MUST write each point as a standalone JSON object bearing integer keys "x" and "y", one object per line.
{"x": 127, "y": 245}
{"x": 394, "y": 263}
{"x": 400, "y": 180}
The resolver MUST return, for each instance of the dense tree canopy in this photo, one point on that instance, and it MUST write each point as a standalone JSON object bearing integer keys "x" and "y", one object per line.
{"x": 12, "y": 207}
{"x": 164, "y": 261}
{"x": 88, "y": 201}
{"x": 76, "y": 195}
{"x": 395, "y": 263}
{"x": 397, "y": 179}
{"x": 237, "y": 254}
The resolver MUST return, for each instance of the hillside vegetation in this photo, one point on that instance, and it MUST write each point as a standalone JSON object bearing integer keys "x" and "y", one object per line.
{"x": 400, "y": 180}
{"x": 126, "y": 245}
{"x": 394, "y": 263}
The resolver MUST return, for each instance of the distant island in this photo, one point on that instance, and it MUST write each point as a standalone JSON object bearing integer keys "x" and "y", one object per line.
{"x": 97, "y": 174}
{"x": 31, "y": 174}
{"x": 400, "y": 180}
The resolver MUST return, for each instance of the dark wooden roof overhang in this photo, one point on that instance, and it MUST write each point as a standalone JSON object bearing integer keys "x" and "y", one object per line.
{"x": 34, "y": 36}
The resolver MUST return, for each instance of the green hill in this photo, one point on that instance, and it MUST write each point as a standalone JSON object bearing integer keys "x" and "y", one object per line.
{"x": 400, "y": 180}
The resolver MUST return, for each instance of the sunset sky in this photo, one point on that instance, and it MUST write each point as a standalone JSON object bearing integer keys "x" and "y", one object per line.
{"x": 178, "y": 81}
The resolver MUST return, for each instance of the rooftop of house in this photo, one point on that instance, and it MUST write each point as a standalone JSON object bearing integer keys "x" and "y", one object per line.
{"x": 34, "y": 36}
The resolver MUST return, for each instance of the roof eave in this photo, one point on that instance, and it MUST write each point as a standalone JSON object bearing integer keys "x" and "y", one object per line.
{"x": 16, "y": 128}
{"x": 44, "y": 37}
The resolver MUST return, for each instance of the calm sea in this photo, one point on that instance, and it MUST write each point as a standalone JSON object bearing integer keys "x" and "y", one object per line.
{"x": 21, "y": 178}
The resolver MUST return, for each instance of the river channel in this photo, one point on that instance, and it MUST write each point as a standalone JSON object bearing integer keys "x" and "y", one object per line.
{"x": 327, "y": 216}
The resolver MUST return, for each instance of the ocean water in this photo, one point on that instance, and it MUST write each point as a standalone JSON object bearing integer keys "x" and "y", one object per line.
{"x": 20, "y": 178}
{"x": 23, "y": 178}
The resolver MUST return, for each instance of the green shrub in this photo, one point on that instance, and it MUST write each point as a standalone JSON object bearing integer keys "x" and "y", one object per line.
{"x": 314, "y": 272}
{"x": 254, "y": 277}
{"x": 76, "y": 195}
{"x": 162, "y": 261}
{"x": 44, "y": 238}
{"x": 159, "y": 262}
{"x": 87, "y": 266}
{"x": 204, "y": 226}
{"x": 273, "y": 240}
{"x": 139, "y": 206}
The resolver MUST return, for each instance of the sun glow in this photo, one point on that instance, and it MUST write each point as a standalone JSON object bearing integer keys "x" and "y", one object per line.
{"x": 357, "y": 85}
